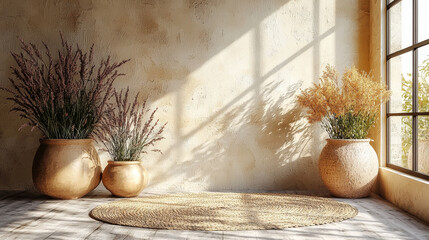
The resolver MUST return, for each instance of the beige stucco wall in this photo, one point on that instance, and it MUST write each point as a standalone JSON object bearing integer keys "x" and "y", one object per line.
{"x": 224, "y": 74}
{"x": 377, "y": 66}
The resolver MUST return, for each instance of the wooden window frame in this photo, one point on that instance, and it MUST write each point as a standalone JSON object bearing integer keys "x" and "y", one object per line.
{"x": 414, "y": 113}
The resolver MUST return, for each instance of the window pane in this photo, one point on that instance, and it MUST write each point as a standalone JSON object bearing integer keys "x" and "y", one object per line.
{"x": 423, "y": 19}
{"x": 401, "y": 141}
{"x": 400, "y": 76}
{"x": 400, "y": 26}
{"x": 423, "y": 145}
{"x": 423, "y": 78}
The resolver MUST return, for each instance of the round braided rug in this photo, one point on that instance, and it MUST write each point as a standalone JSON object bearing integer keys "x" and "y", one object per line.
{"x": 224, "y": 211}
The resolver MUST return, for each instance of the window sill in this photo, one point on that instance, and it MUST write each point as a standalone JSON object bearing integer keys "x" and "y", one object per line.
{"x": 405, "y": 175}
{"x": 407, "y": 192}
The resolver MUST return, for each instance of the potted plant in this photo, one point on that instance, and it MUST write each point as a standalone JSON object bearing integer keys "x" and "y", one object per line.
{"x": 126, "y": 137}
{"x": 348, "y": 164}
{"x": 64, "y": 96}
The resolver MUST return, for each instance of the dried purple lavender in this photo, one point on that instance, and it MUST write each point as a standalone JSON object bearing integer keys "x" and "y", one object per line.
{"x": 64, "y": 97}
{"x": 122, "y": 131}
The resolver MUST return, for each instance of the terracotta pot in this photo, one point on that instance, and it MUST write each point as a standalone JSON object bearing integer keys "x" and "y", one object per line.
{"x": 125, "y": 178}
{"x": 66, "y": 168}
{"x": 348, "y": 167}
{"x": 423, "y": 157}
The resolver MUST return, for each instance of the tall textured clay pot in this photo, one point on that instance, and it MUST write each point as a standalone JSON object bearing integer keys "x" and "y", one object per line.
{"x": 348, "y": 167}
{"x": 125, "y": 178}
{"x": 66, "y": 168}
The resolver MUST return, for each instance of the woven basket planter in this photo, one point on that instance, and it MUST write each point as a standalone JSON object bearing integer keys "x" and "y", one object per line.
{"x": 348, "y": 167}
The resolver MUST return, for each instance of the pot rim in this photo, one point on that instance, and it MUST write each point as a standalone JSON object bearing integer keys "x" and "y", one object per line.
{"x": 111, "y": 162}
{"x": 66, "y": 141}
{"x": 349, "y": 140}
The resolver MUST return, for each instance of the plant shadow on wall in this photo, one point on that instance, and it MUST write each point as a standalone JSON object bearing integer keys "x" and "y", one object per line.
{"x": 248, "y": 149}
{"x": 271, "y": 139}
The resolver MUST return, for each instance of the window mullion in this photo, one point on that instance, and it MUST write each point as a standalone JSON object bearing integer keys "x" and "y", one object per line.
{"x": 389, "y": 5}
{"x": 415, "y": 89}
{"x": 388, "y": 86}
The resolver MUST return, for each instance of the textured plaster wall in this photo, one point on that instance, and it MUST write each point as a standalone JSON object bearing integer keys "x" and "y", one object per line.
{"x": 223, "y": 73}
{"x": 377, "y": 65}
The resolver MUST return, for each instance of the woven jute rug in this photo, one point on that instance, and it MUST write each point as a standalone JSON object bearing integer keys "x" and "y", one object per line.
{"x": 224, "y": 211}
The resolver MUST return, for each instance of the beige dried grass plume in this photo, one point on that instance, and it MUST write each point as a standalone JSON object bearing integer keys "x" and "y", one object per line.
{"x": 346, "y": 109}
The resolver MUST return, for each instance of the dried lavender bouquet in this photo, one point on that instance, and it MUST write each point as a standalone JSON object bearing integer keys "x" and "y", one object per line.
{"x": 129, "y": 130}
{"x": 64, "y": 96}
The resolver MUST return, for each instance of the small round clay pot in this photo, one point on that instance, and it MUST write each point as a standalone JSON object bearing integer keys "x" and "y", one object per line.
{"x": 348, "y": 167}
{"x": 66, "y": 168}
{"x": 125, "y": 178}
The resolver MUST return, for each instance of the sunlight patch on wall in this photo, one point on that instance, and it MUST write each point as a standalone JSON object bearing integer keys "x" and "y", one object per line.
{"x": 218, "y": 81}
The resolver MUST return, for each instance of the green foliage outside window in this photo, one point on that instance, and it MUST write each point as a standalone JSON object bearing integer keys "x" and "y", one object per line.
{"x": 423, "y": 103}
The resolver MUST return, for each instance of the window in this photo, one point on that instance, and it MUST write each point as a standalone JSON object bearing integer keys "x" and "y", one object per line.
{"x": 408, "y": 79}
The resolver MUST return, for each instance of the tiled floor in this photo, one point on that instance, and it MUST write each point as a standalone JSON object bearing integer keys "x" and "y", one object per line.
{"x": 29, "y": 216}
